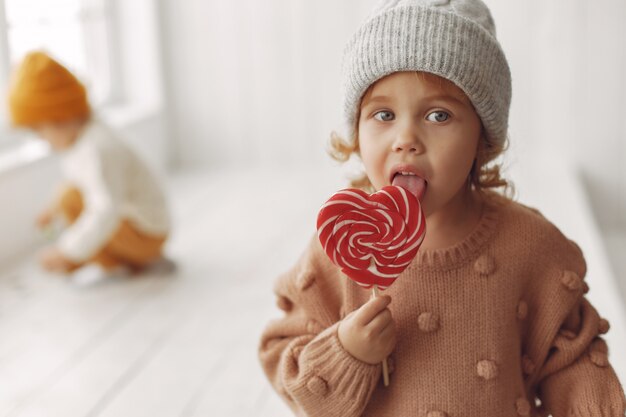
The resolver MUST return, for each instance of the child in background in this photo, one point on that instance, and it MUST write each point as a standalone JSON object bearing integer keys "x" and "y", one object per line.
{"x": 490, "y": 319}
{"x": 116, "y": 210}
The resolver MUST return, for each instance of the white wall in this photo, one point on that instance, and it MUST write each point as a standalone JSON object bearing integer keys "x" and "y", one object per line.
{"x": 24, "y": 191}
{"x": 568, "y": 59}
{"x": 255, "y": 82}
{"x": 601, "y": 146}
{"x": 258, "y": 83}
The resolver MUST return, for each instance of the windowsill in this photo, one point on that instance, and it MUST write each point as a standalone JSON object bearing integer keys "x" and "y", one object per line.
{"x": 125, "y": 114}
{"x": 21, "y": 154}
{"x": 24, "y": 149}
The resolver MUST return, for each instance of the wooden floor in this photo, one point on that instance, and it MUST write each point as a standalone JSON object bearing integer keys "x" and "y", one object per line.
{"x": 183, "y": 344}
{"x": 178, "y": 345}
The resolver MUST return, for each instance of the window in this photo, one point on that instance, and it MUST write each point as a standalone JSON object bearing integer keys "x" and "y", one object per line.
{"x": 76, "y": 32}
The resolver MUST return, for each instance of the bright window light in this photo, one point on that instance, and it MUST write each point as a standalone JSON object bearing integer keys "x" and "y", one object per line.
{"x": 76, "y": 32}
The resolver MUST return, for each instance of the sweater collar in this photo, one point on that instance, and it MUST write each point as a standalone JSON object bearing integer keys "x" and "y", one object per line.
{"x": 468, "y": 248}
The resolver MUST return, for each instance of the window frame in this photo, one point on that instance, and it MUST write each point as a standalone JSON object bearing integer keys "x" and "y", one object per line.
{"x": 4, "y": 64}
{"x": 113, "y": 96}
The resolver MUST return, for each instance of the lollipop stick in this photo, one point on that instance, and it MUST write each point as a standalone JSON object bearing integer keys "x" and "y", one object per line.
{"x": 385, "y": 367}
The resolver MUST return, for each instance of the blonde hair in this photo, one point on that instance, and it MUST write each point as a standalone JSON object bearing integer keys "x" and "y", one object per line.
{"x": 483, "y": 176}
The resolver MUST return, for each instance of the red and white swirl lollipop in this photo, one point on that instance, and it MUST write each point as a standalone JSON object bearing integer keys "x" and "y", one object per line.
{"x": 372, "y": 238}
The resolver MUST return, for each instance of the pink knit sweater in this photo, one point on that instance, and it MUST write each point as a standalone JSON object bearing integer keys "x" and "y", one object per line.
{"x": 495, "y": 326}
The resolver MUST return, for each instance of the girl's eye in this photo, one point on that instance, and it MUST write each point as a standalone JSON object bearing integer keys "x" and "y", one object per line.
{"x": 438, "y": 116}
{"x": 384, "y": 116}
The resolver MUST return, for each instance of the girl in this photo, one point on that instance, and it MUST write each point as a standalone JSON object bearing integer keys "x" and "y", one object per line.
{"x": 116, "y": 210}
{"x": 490, "y": 319}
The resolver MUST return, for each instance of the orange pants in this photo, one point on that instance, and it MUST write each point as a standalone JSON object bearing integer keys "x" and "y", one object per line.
{"x": 128, "y": 246}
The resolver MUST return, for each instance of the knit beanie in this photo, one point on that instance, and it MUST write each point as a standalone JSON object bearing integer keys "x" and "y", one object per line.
{"x": 44, "y": 91}
{"x": 454, "y": 39}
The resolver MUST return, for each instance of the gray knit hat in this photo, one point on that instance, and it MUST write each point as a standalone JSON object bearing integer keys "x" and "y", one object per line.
{"x": 455, "y": 39}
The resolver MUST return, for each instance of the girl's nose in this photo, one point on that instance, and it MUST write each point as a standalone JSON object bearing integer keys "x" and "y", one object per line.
{"x": 407, "y": 140}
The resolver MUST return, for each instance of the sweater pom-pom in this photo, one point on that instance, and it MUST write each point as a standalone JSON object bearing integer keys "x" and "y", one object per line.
{"x": 317, "y": 386}
{"x": 571, "y": 280}
{"x": 522, "y": 406}
{"x": 487, "y": 369}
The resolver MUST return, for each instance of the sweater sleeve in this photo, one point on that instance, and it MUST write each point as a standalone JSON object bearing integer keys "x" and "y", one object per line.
{"x": 576, "y": 379}
{"x": 301, "y": 353}
{"x": 102, "y": 185}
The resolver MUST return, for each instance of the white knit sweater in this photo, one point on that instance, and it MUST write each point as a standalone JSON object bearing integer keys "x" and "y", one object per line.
{"x": 115, "y": 185}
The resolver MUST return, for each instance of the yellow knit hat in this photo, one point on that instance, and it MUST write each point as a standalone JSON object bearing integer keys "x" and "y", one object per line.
{"x": 44, "y": 91}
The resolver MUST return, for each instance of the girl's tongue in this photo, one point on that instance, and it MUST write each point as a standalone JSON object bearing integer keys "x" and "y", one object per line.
{"x": 412, "y": 183}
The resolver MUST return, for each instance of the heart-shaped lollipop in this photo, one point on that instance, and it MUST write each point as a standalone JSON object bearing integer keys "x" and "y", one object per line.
{"x": 372, "y": 238}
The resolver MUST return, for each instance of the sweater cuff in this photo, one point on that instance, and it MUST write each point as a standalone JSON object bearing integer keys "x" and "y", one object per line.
{"x": 71, "y": 252}
{"x": 333, "y": 382}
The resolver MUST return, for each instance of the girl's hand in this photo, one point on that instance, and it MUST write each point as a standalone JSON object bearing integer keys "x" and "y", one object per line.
{"x": 369, "y": 333}
{"x": 53, "y": 260}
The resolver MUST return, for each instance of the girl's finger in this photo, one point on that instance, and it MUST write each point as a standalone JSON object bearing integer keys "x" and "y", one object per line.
{"x": 381, "y": 321}
{"x": 369, "y": 310}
